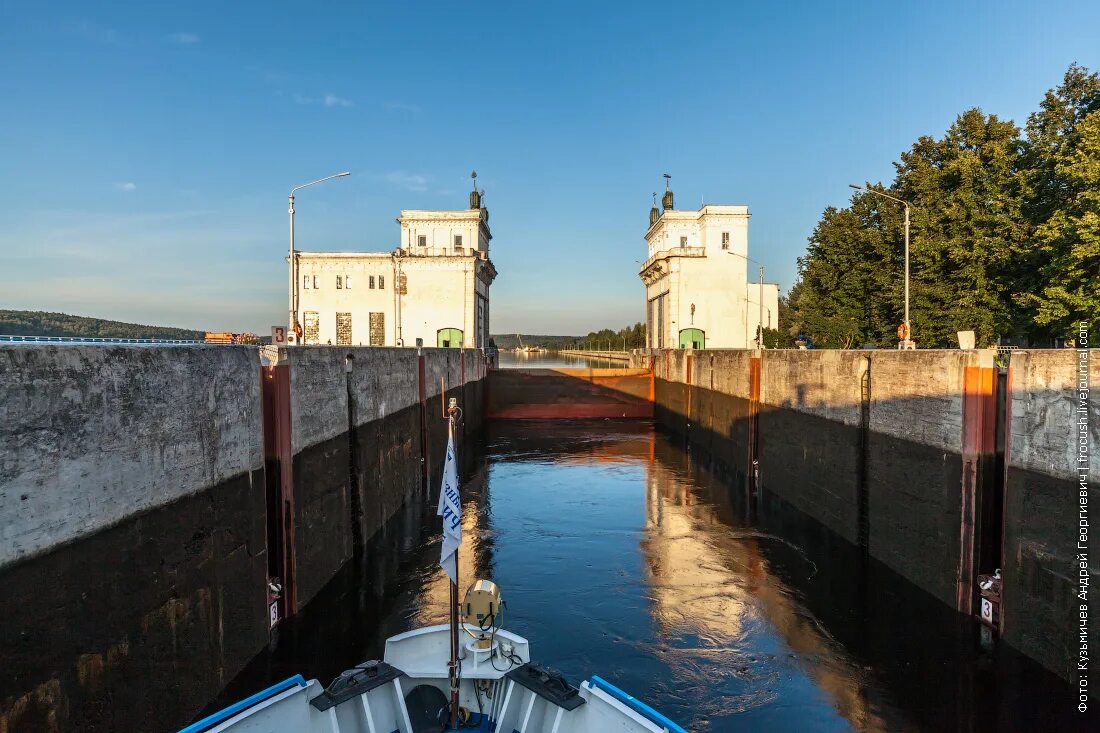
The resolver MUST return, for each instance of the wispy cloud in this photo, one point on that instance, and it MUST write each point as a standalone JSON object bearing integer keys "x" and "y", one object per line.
{"x": 400, "y": 107}
{"x": 126, "y": 186}
{"x": 184, "y": 39}
{"x": 408, "y": 181}
{"x": 331, "y": 100}
{"x": 328, "y": 100}
{"x": 96, "y": 33}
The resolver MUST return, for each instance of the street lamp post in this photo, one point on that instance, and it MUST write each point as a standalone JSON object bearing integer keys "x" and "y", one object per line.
{"x": 907, "y": 342}
{"x": 292, "y": 258}
{"x": 760, "y": 298}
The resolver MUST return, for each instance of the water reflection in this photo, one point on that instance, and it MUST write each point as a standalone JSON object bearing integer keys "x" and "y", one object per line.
{"x": 730, "y": 629}
{"x": 621, "y": 554}
{"x": 645, "y": 581}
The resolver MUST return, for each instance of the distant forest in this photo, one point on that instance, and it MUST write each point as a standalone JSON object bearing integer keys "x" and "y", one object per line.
{"x": 510, "y": 340}
{"x": 39, "y": 323}
{"x": 632, "y": 337}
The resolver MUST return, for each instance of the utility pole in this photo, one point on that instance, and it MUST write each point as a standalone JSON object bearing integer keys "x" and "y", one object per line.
{"x": 760, "y": 298}
{"x": 760, "y": 318}
{"x": 292, "y": 257}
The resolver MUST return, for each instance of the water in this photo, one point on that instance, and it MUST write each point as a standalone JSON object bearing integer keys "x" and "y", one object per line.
{"x": 620, "y": 553}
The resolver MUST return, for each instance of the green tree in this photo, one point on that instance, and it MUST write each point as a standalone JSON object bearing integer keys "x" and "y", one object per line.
{"x": 968, "y": 231}
{"x": 1061, "y": 160}
{"x": 847, "y": 277}
{"x": 1005, "y": 235}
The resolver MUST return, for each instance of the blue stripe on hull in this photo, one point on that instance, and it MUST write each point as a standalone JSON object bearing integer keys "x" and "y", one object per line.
{"x": 635, "y": 704}
{"x": 239, "y": 707}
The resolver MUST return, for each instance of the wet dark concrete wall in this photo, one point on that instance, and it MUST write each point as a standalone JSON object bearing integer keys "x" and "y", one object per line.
{"x": 1042, "y": 504}
{"x": 140, "y": 623}
{"x": 912, "y": 525}
{"x": 820, "y": 477}
{"x": 135, "y": 620}
{"x": 363, "y": 444}
{"x": 913, "y": 513}
{"x": 569, "y": 393}
{"x": 833, "y": 443}
{"x": 881, "y": 463}
{"x": 132, "y": 492}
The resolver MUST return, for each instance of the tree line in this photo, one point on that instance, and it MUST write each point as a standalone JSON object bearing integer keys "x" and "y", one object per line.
{"x": 1005, "y": 235}
{"x": 630, "y": 337}
{"x": 41, "y": 323}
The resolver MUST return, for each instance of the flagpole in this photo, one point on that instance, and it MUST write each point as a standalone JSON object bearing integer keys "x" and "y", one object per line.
{"x": 453, "y": 666}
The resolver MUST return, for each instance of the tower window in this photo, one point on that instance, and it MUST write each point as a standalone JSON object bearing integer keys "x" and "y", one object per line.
{"x": 314, "y": 282}
{"x": 381, "y": 282}
{"x": 305, "y": 282}
{"x": 347, "y": 283}
{"x": 683, "y": 241}
{"x": 725, "y": 240}
{"x": 371, "y": 285}
{"x": 458, "y": 241}
{"x": 339, "y": 282}
{"x": 422, "y": 241}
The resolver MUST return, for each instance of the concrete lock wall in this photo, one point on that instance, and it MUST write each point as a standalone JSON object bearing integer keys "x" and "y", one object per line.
{"x": 133, "y": 530}
{"x": 94, "y": 434}
{"x": 135, "y": 539}
{"x": 1042, "y": 504}
{"x": 896, "y": 452}
{"x": 360, "y": 448}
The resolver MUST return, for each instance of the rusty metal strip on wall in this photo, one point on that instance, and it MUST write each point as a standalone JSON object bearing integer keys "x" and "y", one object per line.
{"x": 755, "y": 363}
{"x": 979, "y": 419}
{"x": 279, "y": 479}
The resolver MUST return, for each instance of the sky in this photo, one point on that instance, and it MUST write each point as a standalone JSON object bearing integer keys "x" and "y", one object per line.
{"x": 146, "y": 149}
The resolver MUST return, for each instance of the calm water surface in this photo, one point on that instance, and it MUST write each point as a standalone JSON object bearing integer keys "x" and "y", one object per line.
{"x": 621, "y": 554}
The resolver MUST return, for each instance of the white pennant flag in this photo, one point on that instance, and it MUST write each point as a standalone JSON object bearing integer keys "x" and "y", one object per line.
{"x": 450, "y": 508}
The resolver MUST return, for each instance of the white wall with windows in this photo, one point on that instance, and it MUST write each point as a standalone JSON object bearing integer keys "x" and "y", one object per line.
{"x": 437, "y": 289}
{"x": 696, "y": 279}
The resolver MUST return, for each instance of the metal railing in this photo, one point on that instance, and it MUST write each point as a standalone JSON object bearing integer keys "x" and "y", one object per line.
{"x": 88, "y": 340}
{"x": 674, "y": 252}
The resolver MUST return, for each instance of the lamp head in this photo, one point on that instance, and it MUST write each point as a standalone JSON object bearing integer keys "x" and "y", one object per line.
{"x": 856, "y": 187}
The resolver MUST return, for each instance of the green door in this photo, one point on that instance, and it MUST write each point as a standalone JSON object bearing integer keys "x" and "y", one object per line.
{"x": 692, "y": 338}
{"x": 449, "y": 338}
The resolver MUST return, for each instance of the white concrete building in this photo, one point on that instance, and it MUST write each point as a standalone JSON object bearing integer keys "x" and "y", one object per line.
{"x": 434, "y": 286}
{"x": 696, "y": 279}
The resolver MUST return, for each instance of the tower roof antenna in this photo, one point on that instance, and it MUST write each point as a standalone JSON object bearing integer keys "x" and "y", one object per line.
{"x": 475, "y": 195}
{"x": 667, "y": 179}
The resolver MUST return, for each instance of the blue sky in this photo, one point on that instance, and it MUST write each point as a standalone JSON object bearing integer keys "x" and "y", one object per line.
{"x": 148, "y": 148}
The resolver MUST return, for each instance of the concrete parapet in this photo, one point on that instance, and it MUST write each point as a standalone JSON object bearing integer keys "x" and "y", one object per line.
{"x": 94, "y": 434}
{"x": 917, "y": 396}
{"x": 1044, "y": 410}
{"x": 822, "y": 383}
